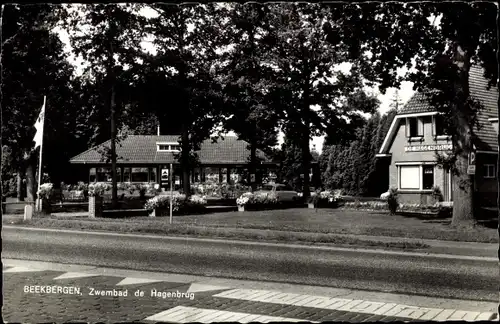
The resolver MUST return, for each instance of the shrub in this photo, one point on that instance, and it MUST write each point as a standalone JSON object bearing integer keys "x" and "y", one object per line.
{"x": 45, "y": 191}
{"x": 179, "y": 202}
{"x": 437, "y": 194}
{"x": 245, "y": 199}
{"x": 9, "y": 187}
{"x": 392, "y": 200}
{"x": 98, "y": 189}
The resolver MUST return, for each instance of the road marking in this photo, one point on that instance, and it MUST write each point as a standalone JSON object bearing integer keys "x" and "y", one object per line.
{"x": 135, "y": 281}
{"x": 71, "y": 275}
{"x": 182, "y": 314}
{"x": 443, "y": 316}
{"x": 195, "y": 287}
{"x": 21, "y": 269}
{"x": 357, "y": 306}
{"x": 485, "y": 317}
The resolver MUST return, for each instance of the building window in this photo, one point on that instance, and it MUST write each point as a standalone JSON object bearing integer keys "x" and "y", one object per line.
{"x": 103, "y": 175}
{"x": 139, "y": 175}
{"x": 92, "y": 175}
{"x": 416, "y": 177}
{"x": 126, "y": 174}
{"x": 153, "y": 177}
{"x": 414, "y": 127}
{"x": 427, "y": 177}
{"x": 489, "y": 171}
{"x": 409, "y": 177}
{"x": 168, "y": 147}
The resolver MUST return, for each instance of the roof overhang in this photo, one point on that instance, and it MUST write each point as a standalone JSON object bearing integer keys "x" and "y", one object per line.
{"x": 383, "y": 155}
{"x": 393, "y": 128}
{"x": 493, "y": 120}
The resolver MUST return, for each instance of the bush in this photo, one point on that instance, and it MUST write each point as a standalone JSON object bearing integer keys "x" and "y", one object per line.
{"x": 98, "y": 189}
{"x": 179, "y": 202}
{"x": 9, "y": 187}
{"x": 437, "y": 194}
{"x": 392, "y": 201}
{"x": 46, "y": 190}
{"x": 257, "y": 199}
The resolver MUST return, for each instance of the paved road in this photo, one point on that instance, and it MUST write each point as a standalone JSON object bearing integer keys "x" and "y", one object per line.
{"x": 387, "y": 272}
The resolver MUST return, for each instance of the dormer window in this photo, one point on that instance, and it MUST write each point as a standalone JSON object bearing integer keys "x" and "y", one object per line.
{"x": 414, "y": 127}
{"x": 168, "y": 147}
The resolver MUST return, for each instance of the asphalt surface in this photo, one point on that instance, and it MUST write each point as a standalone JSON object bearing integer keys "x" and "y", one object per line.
{"x": 356, "y": 269}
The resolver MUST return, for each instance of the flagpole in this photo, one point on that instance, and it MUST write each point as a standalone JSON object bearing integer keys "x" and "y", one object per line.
{"x": 39, "y": 203}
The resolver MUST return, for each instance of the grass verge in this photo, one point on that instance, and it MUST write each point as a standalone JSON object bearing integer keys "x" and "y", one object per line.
{"x": 163, "y": 228}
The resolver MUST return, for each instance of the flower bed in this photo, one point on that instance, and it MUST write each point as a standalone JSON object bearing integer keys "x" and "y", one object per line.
{"x": 219, "y": 190}
{"x": 180, "y": 204}
{"x": 324, "y": 199}
{"x": 257, "y": 201}
{"x": 436, "y": 209}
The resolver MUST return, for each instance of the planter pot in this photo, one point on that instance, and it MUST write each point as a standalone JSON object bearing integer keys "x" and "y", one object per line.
{"x": 152, "y": 213}
{"x": 95, "y": 206}
{"x": 241, "y": 208}
{"x": 311, "y": 205}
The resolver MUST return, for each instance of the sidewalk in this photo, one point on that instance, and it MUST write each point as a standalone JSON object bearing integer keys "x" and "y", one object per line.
{"x": 220, "y": 300}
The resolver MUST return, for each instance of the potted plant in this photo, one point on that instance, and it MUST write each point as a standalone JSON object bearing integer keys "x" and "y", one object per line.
{"x": 44, "y": 194}
{"x": 313, "y": 200}
{"x": 437, "y": 196}
{"x": 244, "y": 200}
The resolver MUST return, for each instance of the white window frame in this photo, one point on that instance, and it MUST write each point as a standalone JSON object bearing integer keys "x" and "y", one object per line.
{"x": 169, "y": 145}
{"x": 421, "y": 175}
{"x": 419, "y": 124}
{"x": 486, "y": 168}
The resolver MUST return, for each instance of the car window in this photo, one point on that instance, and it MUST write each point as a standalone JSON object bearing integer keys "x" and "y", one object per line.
{"x": 267, "y": 187}
{"x": 279, "y": 188}
{"x": 288, "y": 188}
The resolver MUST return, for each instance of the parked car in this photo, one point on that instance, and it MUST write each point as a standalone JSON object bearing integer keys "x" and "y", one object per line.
{"x": 283, "y": 192}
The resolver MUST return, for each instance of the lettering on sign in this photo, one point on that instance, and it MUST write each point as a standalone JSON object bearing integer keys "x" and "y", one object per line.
{"x": 424, "y": 148}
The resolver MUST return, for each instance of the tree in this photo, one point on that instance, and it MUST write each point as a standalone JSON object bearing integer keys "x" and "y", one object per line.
{"x": 308, "y": 90}
{"x": 250, "y": 114}
{"x": 108, "y": 37}
{"x": 398, "y": 35}
{"x": 186, "y": 38}
{"x": 33, "y": 65}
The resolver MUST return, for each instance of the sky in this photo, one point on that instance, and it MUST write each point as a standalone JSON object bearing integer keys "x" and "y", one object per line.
{"x": 405, "y": 91}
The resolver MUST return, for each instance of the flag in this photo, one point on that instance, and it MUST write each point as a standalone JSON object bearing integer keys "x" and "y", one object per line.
{"x": 39, "y": 127}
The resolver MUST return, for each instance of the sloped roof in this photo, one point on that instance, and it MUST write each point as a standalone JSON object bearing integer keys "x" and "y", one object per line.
{"x": 486, "y": 134}
{"x": 141, "y": 149}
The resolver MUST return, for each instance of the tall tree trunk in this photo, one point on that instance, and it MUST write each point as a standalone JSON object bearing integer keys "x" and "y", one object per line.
{"x": 253, "y": 158}
{"x": 185, "y": 160}
{"x": 30, "y": 181}
{"x": 20, "y": 187}
{"x": 463, "y": 195}
{"x": 114, "y": 189}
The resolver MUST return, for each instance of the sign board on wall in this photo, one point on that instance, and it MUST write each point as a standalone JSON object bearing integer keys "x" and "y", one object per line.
{"x": 471, "y": 169}
{"x": 252, "y": 177}
{"x": 426, "y": 148}
{"x": 164, "y": 174}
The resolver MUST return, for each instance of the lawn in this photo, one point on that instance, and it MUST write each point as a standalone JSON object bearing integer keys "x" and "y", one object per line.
{"x": 346, "y": 222}
{"x": 307, "y": 221}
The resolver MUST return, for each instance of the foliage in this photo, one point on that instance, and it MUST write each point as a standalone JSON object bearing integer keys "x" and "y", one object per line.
{"x": 222, "y": 190}
{"x": 437, "y": 194}
{"x": 392, "y": 200}
{"x": 257, "y": 199}
{"x": 46, "y": 191}
{"x": 354, "y": 166}
{"x": 98, "y": 189}
{"x": 179, "y": 202}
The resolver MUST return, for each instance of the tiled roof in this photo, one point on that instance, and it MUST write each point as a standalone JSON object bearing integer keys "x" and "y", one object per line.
{"x": 141, "y": 149}
{"x": 487, "y": 136}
